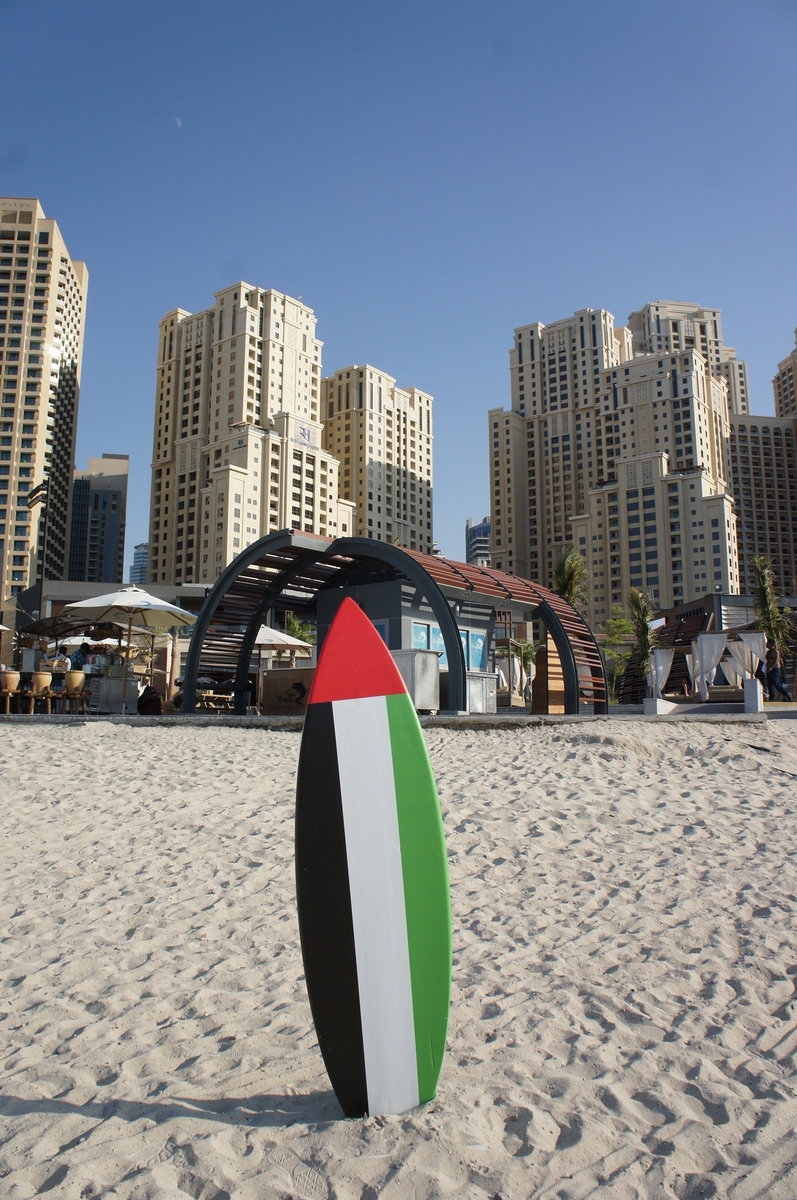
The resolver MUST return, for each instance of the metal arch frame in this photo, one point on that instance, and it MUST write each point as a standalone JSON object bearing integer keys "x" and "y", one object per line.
{"x": 599, "y": 706}
{"x": 354, "y": 548}
{"x": 553, "y": 624}
{"x": 568, "y": 659}
{"x": 394, "y": 556}
{"x": 566, "y": 656}
{"x": 272, "y": 541}
{"x": 384, "y": 552}
{"x": 241, "y": 693}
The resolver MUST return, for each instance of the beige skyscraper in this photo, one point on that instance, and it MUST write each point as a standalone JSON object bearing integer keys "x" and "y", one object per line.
{"x": 783, "y": 385}
{"x": 42, "y": 315}
{"x": 237, "y": 441}
{"x": 382, "y": 437}
{"x": 620, "y": 450}
{"x": 544, "y": 462}
{"x": 675, "y": 326}
{"x": 663, "y": 520}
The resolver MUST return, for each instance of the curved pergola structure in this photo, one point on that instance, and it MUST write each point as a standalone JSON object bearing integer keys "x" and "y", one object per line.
{"x": 289, "y": 569}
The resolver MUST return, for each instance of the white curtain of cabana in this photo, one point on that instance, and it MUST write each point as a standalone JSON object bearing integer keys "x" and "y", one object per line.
{"x": 731, "y": 671}
{"x": 660, "y": 664}
{"x": 757, "y": 642}
{"x": 748, "y": 652}
{"x": 693, "y": 664}
{"x": 708, "y": 650}
{"x": 744, "y": 658}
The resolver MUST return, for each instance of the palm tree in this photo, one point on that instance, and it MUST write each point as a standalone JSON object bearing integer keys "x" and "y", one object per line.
{"x": 570, "y": 578}
{"x": 646, "y": 638}
{"x": 302, "y": 630}
{"x": 769, "y": 617}
{"x": 528, "y": 653}
{"x": 616, "y": 647}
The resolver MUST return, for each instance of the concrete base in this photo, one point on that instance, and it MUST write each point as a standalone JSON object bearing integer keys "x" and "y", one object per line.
{"x": 657, "y": 708}
{"x": 753, "y": 696}
{"x": 460, "y": 720}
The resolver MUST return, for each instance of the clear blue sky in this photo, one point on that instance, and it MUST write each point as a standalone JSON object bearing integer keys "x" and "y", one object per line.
{"x": 425, "y": 175}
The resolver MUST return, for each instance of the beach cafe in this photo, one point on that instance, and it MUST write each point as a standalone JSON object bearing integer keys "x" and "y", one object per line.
{"x": 45, "y": 624}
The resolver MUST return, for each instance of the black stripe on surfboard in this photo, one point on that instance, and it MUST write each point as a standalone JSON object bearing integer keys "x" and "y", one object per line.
{"x": 324, "y": 906}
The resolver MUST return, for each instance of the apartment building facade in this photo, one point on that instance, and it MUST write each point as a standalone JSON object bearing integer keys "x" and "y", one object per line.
{"x": 588, "y": 398}
{"x": 237, "y": 440}
{"x": 42, "y": 316}
{"x": 783, "y": 385}
{"x": 383, "y": 436}
{"x": 541, "y": 467}
{"x": 673, "y": 326}
{"x": 763, "y": 464}
{"x": 97, "y": 521}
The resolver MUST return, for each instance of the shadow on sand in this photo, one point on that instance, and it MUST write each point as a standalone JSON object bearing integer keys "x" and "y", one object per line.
{"x": 268, "y": 1111}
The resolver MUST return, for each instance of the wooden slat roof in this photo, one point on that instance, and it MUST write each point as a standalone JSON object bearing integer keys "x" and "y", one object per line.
{"x": 514, "y": 591}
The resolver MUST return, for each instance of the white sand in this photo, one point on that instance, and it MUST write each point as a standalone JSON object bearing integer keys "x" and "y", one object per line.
{"x": 623, "y": 1016}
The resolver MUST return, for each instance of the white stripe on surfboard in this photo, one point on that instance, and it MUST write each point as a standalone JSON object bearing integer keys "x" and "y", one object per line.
{"x": 373, "y": 852}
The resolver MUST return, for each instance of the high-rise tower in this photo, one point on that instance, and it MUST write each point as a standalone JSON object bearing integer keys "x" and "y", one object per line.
{"x": 42, "y": 317}
{"x": 138, "y": 567}
{"x": 675, "y": 326}
{"x": 783, "y": 385}
{"x": 619, "y": 444}
{"x": 237, "y": 442}
{"x": 382, "y": 436}
{"x": 97, "y": 523}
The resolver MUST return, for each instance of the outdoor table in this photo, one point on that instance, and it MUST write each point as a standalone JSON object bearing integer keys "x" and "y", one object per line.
{"x": 215, "y": 701}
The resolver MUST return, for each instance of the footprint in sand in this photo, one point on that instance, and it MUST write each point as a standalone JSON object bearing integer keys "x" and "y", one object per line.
{"x": 199, "y": 1188}
{"x": 306, "y": 1181}
{"x": 516, "y": 1133}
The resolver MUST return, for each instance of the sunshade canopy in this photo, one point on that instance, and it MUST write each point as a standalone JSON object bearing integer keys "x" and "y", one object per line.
{"x": 64, "y": 625}
{"x": 132, "y": 601}
{"x": 275, "y": 637}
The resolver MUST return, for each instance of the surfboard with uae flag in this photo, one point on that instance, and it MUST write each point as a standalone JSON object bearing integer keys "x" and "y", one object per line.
{"x": 371, "y": 878}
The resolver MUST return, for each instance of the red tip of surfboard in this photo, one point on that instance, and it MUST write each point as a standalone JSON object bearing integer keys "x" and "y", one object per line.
{"x": 354, "y": 661}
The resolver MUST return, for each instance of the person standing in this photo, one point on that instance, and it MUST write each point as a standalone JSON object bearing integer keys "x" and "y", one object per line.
{"x": 80, "y": 657}
{"x": 773, "y": 672}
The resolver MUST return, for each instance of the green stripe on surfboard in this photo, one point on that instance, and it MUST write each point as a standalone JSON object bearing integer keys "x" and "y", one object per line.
{"x": 426, "y": 892}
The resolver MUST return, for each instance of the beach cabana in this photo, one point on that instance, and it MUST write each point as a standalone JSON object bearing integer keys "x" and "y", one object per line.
{"x": 416, "y": 601}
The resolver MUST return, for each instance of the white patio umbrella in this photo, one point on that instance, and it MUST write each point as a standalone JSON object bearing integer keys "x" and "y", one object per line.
{"x": 275, "y": 639}
{"x": 141, "y": 637}
{"x": 4, "y": 629}
{"x": 129, "y": 602}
